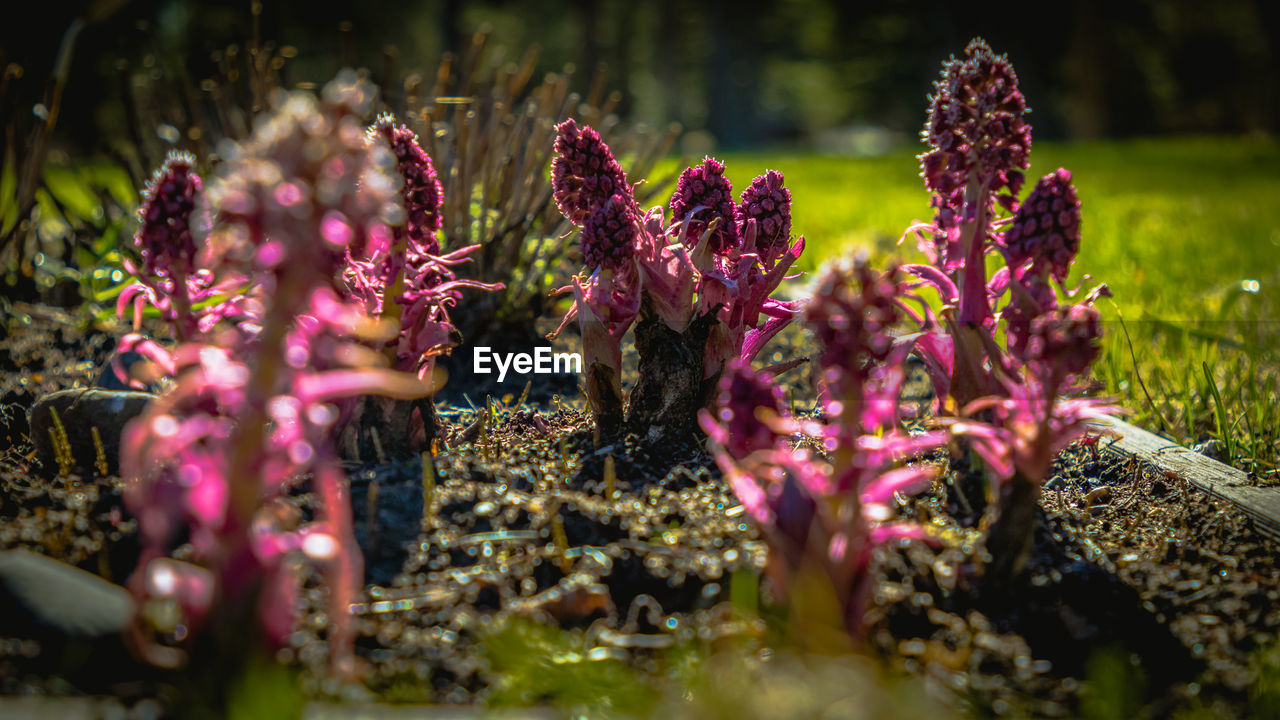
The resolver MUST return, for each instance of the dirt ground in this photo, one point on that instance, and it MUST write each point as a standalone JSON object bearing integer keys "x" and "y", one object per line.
{"x": 1135, "y": 577}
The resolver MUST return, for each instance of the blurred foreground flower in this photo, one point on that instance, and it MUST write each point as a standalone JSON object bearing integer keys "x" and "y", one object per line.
{"x": 252, "y": 411}
{"x": 826, "y": 515}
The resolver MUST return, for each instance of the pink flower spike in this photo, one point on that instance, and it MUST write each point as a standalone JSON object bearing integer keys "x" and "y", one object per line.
{"x": 704, "y": 195}
{"x": 584, "y": 174}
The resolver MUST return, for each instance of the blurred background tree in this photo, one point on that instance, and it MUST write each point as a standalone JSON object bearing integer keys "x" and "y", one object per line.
{"x": 833, "y": 76}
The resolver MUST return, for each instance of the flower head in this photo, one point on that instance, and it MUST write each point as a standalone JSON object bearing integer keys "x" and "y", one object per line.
{"x": 851, "y": 313}
{"x": 584, "y": 173}
{"x": 610, "y": 234}
{"x": 1066, "y": 338}
{"x": 164, "y": 237}
{"x": 421, "y": 189}
{"x": 768, "y": 203}
{"x": 976, "y": 125}
{"x": 748, "y": 406}
{"x": 703, "y": 194}
{"x": 1046, "y": 229}
{"x": 306, "y": 188}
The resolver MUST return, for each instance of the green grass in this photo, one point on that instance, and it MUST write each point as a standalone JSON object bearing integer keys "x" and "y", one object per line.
{"x": 1186, "y": 233}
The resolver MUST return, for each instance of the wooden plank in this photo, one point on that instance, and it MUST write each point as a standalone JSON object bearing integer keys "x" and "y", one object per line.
{"x": 1260, "y": 504}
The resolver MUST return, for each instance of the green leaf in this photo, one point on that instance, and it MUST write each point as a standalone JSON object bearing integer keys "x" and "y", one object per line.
{"x": 74, "y": 193}
{"x": 50, "y": 224}
{"x": 8, "y": 194}
{"x": 115, "y": 180}
{"x": 1220, "y": 415}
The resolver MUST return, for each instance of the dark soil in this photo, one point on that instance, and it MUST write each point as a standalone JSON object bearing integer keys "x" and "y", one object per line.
{"x": 528, "y": 514}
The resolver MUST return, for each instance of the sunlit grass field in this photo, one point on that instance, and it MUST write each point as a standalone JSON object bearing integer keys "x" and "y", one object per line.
{"x": 1185, "y": 232}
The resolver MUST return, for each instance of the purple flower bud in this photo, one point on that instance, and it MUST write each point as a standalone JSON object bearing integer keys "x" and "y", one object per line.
{"x": 164, "y": 238}
{"x": 1066, "y": 338}
{"x": 610, "y": 234}
{"x": 851, "y": 313}
{"x": 742, "y": 394}
{"x": 421, "y": 190}
{"x": 703, "y": 194}
{"x": 976, "y": 124}
{"x": 768, "y": 203}
{"x": 584, "y": 173}
{"x": 1046, "y": 229}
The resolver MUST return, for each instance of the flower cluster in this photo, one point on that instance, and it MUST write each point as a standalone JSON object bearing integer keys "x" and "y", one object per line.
{"x": 584, "y": 173}
{"x": 768, "y": 203}
{"x": 704, "y": 196}
{"x": 168, "y": 273}
{"x": 748, "y": 407}
{"x": 255, "y": 400}
{"x": 1046, "y": 229}
{"x": 421, "y": 189}
{"x": 700, "y": 285}
{"x": 975, "y": 130}
{"x": 1003, "y": 398}
{"x": 610, "y": 234}
{"x": 828, "y": 513}
{"x": 1065, "y": 339}
{"x": 851, "y": 314}
{"x": 979, "y": 146}
{"x": 164, "y": 237}
{"x": 405, "y": 278}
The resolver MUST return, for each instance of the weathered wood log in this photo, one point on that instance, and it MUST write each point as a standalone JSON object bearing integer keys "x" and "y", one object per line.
{"x": 1259, "y": 504}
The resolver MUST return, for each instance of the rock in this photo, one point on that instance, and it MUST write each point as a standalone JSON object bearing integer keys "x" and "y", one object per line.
{"x": 1211, "y": 448}
{"x": 70, "y": 622}
{"x": 386, "y": 513}
{"x": 80, "y": 412}
{"x": 43, "y": 596}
